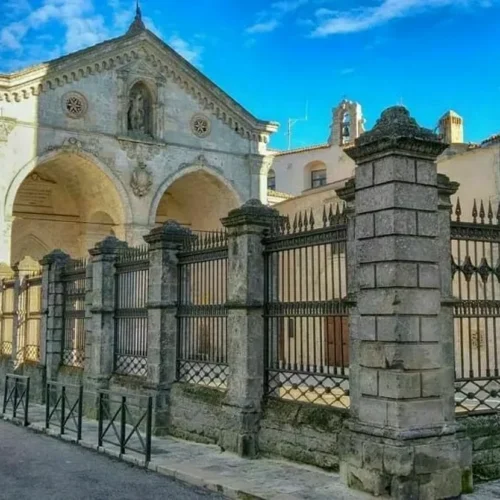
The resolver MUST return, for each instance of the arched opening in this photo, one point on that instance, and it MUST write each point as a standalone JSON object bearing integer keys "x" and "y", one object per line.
{"x": 197, "y": 200}
{"x": 140, "y": 111}
{"x": 66, "y": 202}
{"x": 346, "y": 128}
{"x": 315, "y": 174}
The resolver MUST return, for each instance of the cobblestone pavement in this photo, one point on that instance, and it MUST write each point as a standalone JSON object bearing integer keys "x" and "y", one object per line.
{"x": 53, "y": 467}
{"x": 37, "y": 466}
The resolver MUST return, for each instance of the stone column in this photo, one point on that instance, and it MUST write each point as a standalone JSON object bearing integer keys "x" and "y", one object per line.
{"x": 401, "y": 439}
{"x": 52, "y": 311}
{"x": 259, "y": 167}
{"x": 134, "y": 234}
{"x": 100, "y": 345}
{"x": 164, "y": 243}
{"x": 245, "y": 324}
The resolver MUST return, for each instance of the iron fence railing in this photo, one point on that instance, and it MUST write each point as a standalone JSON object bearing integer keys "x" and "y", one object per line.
{"x": 64, "y": 407}
{"x": 475, "y": 249}
{"x": 73, "y": 341}
{"x": 131, "y": 313}
{"x": 16, "y": 397}
{"x": 306, "y": 314}
{"x": 125, "y": 421}
{"x": 202, "y": 311}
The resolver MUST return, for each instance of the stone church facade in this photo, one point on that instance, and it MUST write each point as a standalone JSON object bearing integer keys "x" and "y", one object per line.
{"x": 116, "y": 138}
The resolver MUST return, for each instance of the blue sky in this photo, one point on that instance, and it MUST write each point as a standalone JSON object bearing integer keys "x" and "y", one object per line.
{"x": 273, "y": 56}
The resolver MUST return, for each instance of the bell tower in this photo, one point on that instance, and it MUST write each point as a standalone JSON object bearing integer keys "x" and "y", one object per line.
{"x": 451, "y": 128}
{"x": 347, "y": 123}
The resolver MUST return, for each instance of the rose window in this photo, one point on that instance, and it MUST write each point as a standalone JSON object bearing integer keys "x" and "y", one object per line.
{"x": 75, "y": 105}
{"x": 200, "y": 125}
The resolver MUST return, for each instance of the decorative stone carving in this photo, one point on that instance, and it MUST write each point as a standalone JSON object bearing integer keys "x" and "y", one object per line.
{"x": 139, "y": 114}
{"x": 6, "y": 127}
{"x": 141, "y": 180}
{"x": 140, "y": 151}
{"x": 200, "y": 125}
{"x": 200, "y": 160}
{"x": 74, "y": 104}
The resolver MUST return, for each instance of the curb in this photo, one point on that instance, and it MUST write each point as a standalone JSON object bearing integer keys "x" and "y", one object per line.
{"x": 179, "y": 475}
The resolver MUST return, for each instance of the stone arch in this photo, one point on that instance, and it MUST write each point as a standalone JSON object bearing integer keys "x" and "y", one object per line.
{"x": 51, "y": 155}
{"x": 313, "y": 166}
{"x": 30, "y": 247}
{"x": 61, "y": 198}
{"x": 184, "y": 171}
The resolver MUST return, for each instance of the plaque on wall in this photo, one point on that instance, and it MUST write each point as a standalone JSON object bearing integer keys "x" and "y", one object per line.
{"x": 35, "y": 192}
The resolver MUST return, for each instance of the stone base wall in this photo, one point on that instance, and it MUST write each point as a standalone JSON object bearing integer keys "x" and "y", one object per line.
{"x": 484, "y": 432}
{"x": 36, "y": 372}
{"x": 303, "y": 433}
{"x": 196, "y": 413}
{"x": 4, "y": 369}
{"x": 70, "y": 375}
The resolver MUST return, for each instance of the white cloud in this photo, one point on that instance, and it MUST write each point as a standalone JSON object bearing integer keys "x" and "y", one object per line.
{"x": 365, "y": 18}
{"x": 265, "y": 27}
{"x": 268, "y": 21}
{"x": 190, "y": 52}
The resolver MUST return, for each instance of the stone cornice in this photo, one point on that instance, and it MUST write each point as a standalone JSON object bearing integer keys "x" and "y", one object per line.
{"x": 118, "y": 52}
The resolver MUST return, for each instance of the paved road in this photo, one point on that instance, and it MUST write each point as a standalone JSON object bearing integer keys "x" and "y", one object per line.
{"x": 34, "y": 466}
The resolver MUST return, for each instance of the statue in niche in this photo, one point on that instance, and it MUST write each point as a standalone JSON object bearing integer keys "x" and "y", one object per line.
{"x": 139, "y": 111}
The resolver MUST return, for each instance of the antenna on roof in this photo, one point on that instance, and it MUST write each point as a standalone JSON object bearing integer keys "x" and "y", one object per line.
{"x": 291, "y": 123}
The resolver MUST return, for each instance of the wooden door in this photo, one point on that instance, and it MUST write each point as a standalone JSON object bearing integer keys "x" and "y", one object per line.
{"x": 337, "y": 341}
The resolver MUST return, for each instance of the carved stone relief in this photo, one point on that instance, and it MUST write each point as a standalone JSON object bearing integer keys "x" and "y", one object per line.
{"x": 6, "y": 127}
{"x": 139, "y": 150}
{"x": 141, "y": 180}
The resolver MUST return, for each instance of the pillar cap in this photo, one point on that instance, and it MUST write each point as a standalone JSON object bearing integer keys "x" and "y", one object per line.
{"x": 170, "y": 231}
{"x": 108, "y": 246}
{"x": 55, "y": 257}
{"x": 445, "y": 186}
{"x": 252, "y": 212}
{"x": 396, "y": 132}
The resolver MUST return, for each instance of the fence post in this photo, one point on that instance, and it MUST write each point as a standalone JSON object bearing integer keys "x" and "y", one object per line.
{"x": 401, "y": 439}
{"x": 99, "y": 355}
{"x": 245, "y": 302}
{"x": 52, "y": 305}
{"x": 164, "y": 243}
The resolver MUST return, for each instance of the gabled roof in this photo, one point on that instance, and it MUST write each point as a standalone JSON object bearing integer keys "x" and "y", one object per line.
{"x": 116, "y": 52}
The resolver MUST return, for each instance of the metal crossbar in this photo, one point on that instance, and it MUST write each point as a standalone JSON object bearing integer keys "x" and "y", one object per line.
{"x": 121, "y": 418}
{"x": 306, "y": 311}
{"x": 61, "y": 409}
{"x": 16, "y": 396}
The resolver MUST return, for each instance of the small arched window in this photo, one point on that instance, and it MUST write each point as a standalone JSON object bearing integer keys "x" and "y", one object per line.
{"x": 140, "y": 111}
{"x": 346, "y": 128}
{"x": 271, "y": 180}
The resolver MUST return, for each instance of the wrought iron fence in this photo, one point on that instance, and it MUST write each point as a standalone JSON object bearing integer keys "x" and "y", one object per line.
{"x": 306, "y": 314}
{"x": 16, "y": 396}
{"x": 73, "y": 343}
{"x": 126, "y": 422}
{"x": 29, "y": 314}
{"x": 64, "y": 407}
{"x": 202, "y": 311}
{"x": 8, "y": 316}
{"x": 475, "y": 248}
{"x": 131, "y": 314}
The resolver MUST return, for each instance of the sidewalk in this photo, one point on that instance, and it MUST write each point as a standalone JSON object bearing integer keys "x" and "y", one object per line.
{"x": 206, "y": 466}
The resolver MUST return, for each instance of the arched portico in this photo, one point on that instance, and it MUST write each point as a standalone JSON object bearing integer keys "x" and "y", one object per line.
{"x": 196, "y": 197}
{"x": 64, "y": 200}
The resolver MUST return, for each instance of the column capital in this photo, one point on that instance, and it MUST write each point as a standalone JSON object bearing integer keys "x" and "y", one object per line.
{"x": 396, "y": 132}
{"x": 108, "y": 246}
{"x": 260, "y": 164}
{"x": 170, "y": 235}
{"x": 56, "y": 257}
{"x": 251, "y": 213}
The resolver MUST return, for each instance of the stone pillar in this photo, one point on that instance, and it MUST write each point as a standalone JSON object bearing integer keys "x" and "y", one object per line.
{"x": 401, "y": 439}
{"x": 259, "y": 167}
{"x": 100, "y": 345}
{"x": 134, "y": 234}
{"x": 52, "y": 311}
{"x": 164, "y": 243}
{"x": 245, "y": 324}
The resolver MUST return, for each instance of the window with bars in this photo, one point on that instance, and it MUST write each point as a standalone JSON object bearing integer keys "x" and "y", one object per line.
{"x": 271, "y": 180}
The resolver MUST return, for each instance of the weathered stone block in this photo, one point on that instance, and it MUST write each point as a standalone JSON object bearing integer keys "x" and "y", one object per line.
{"x": 395, "y": 221}
{"x": 398, "y": 460}
{"x": 429, "y": 276}
{"x": 398, "y": 328}
{"x": 373, "y": 410}
{"x": 399, "y": 301}
{"x": 427, "y": 223}
{"x": 426, "y": 172}
{"x": 364, "y": 175}
{"x": 365, "y": 328}
{"x": 415, "y": 414}
{"x": 398, "y": 356}
{"x": 366, "y": 276}
{"x": 368, "y": 381}
{"x": 431, "y": 329}
{"x": 365, "y": 227}
{"x": 399, "y": 385}
{"x": 396, "y": 274}
{"x": 373, "y": 455}
{"x": 394, "y": 168}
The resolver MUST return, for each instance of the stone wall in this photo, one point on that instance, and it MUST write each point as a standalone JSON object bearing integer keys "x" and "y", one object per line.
{"x": 484, "y": 432}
